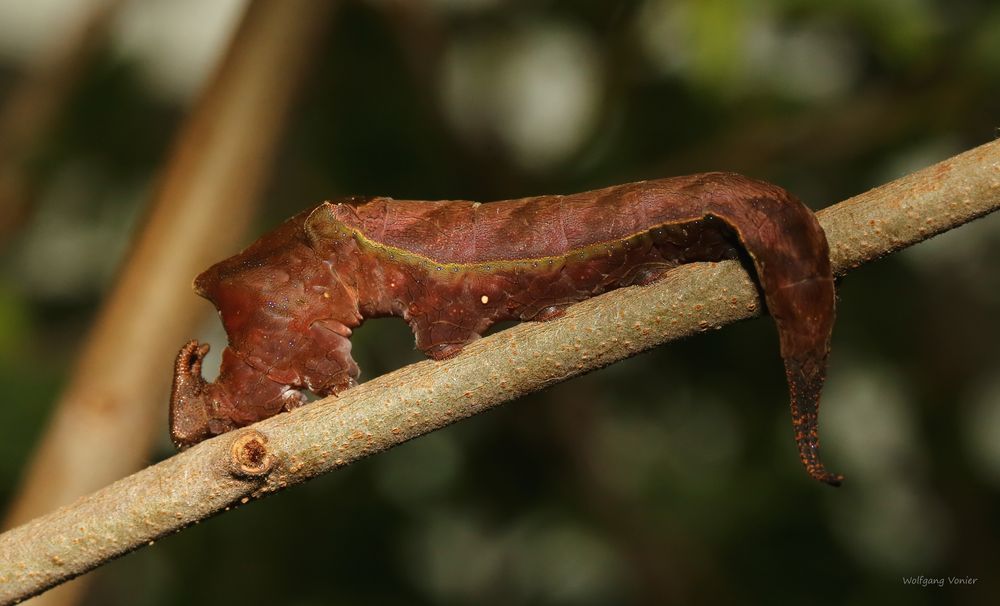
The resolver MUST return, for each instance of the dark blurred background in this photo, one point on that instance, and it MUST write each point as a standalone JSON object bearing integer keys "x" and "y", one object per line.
{"x": 669, "y": 478}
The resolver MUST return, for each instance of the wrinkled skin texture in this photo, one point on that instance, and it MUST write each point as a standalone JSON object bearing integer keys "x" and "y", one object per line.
{"x": 452, "y": 269}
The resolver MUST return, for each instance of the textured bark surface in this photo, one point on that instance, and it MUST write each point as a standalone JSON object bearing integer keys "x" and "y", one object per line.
{"x": 291, "y": 448}
{"x": 452, "y": 269}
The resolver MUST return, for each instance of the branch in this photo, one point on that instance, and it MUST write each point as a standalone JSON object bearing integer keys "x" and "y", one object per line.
{"x": 291, "y": 448}
{"x": 32, "y": 109}
{"x": 104, "y": 423}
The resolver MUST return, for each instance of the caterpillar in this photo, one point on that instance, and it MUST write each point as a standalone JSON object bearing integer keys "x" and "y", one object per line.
{"x": 452, "y": 269}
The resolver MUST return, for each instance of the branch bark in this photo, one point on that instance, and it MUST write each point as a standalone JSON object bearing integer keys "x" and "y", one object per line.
{"x": 290, "y": 448}
{"x": 104, "y": 423}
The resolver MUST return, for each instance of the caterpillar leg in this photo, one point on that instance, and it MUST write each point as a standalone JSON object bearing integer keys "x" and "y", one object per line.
{"x": 548, "y": 313}
{"x": 443, "y": 351}
{"x": 647, "y": 274}
{"x": 441, "y": 338}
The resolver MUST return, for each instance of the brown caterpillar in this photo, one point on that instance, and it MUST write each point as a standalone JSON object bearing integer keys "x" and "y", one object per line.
{"x": 452, "y": 269}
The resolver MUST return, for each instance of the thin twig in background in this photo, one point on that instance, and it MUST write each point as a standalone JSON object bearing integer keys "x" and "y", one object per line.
{"x": 832, "y": 136}
{"x": 290, "y": 448}
{"x": 31, "y": 110}
{"x": 104, "y": 424}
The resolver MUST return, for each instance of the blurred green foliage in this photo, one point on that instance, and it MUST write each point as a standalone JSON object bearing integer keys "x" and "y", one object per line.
{"x": 668, "y": 478}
